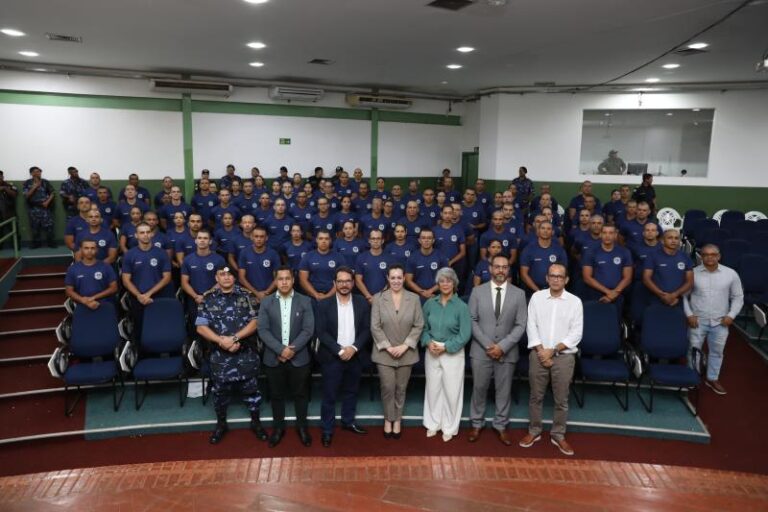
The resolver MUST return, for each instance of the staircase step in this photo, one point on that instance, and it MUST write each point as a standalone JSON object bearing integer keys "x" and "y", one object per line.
{"x": 15, "y": 321}
{"x": 36, "y": 283}
{"x": 25, "y": 345}
{"x": 43, "y": 269}
{"x": 39, "y": 414}
{"x": 33, "y": 376}
{"x": 34, "y": 300}
{"x": 42, "y": 274}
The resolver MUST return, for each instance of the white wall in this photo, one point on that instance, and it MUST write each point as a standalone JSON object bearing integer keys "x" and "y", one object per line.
{"x": 418, "y": 149}
{"x": 112, "y": 142}
{"x": 543, "y": 132}
{"x": 252, "y": 140}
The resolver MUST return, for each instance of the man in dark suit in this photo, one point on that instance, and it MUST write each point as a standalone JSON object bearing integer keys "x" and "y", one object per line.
{"x": 499, "y": 315}
{"x": 286, "y": 326}
{"x": 344, "y": 331}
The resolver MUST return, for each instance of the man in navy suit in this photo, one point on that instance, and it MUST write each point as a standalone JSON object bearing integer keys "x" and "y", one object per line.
{"x": 344, "y": 331}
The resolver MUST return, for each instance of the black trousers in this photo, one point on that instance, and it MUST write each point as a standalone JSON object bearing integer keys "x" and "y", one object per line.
{"x": 288, "y": 381}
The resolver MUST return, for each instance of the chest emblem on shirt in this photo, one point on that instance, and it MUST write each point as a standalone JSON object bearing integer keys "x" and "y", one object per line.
{"x": 407, "y": 254}
{"x": 680, "y": 265}
{"x": 616, "y": 260}
{"x": 97, "y": 276}
{"x": 286, "y": 228}
{"x": 417, "y": 229}
{"x": 332, "y": 264}
{"x": 454, "y": 238}
{"x": 267, "y": 263}
{"x": 210, "y": 203}
{"x": 153, "y": 262}
{"x": 552, "y": 258}
{"x": 209, "y": 265}
{"x": 505, "y": 243}
{"x": 102, "y": 243}
{"x": 355, "y": 249}
{"x": 433, "y": 265}
{"x": 383, "y": 265}
{"x": 107, "y": 210}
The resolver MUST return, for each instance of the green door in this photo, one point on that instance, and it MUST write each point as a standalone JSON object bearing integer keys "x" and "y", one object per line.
{"x": 469, "y": 168}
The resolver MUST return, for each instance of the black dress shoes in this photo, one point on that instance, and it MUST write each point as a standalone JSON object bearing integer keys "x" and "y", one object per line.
{"x": 326, "y": 439}
{"x": 355, "y": 428}
{"x": 258, "y": 430}
{"x": 304, "y": 436}
{"x": 276, "y": 437}
{"x": 218, "y": 433}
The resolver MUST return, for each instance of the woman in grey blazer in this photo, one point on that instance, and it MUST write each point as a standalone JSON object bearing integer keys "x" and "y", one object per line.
{"x": 396, "y": 325}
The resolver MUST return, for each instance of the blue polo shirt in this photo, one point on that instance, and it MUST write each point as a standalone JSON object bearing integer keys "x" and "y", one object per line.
{"x": 400, "y": 253}
{"x": 146, "y": 267}
{"x": 607, "y": 266}
{"x": 262, "y": 215}
{"x": 75, "y": 225}
{"x": 169, "y": 210}
{"x": 362, "y": 205}
{"x": 295, "y": 253}
{"x": 668, "y": 270}
{"x": 259, "y": 267}
{"x": 399, "y": 206}
{"x": 483, "y": 271}
{"x": 123, "y": 211}
{"x": 204, "y": 204}
{"x": 578, "y": 204}
{"x": 88, "y": 280}
{"x": 640, "y": 253}
{"x": 432, "y": 212}
{"x": 538, "y": 259}
{"x": 342, "y": 217}
{"x": 185, "y": 244}
{"x": 474, "y": 214}
{"x": 247, "y": 205}
{"x": 316, "y": 223}
{"x": 414, "y": 227}
{"x": 142, "y": 195}
{"x": 425, "y": 267}
{"x": 128, "y": 230}
{"x": 105, "y": 240}
{"x": 583, "y": 243}
{"x": 350, "y": 250}
{"x": 632, "y": 231}
{"x": 201, "y": 270}
{"x": 218, "y": 211}
{"x": 508, "y": 240}
{"x": 161, "y": 241}
{"x": 224, "y": 238}
{"x": 108, "y": 211}
{"x": 367, "y": 222}
{"x": 321, "y": 268}
{"x": 373, "y": 269}
{"x": 448, "y": 239}
{"x": 279, "y": 230}
{"x": 238, "y": 242}
{"x": 302, "y": 215}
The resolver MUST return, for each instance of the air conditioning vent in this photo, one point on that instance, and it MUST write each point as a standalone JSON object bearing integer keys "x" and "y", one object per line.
{"x": 375, "y": 101}
{"x": 192, "y": 87}
{"x": 451, "y": 5}
{"x": 284, "y": 93}
{"x": 322, "y": 62}
{"x": 62, "y": 38}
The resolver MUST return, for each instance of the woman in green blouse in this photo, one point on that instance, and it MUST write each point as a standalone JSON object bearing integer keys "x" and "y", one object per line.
{"x": 447, "y": 328}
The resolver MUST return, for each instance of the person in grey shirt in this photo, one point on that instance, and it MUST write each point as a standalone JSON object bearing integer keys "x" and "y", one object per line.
{"x": 612, "y": 165}
{"x": 711, "y": 307}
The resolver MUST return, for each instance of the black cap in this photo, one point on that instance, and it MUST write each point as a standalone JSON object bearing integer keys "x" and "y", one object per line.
{"x": 339, "y": 168}
{"x": 227, "y": 270}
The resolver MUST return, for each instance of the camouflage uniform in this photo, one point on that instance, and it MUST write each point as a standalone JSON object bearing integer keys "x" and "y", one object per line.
{"x": 7, "y": 209}
{"x": 231, "y": 372}
{"x": 40, "y": 217}
{"x": 72, "y": 187}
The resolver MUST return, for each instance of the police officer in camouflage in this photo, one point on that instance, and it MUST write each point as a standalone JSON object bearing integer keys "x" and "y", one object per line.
{"x": 227, "y": 318}
{"x": 39, "y": 194}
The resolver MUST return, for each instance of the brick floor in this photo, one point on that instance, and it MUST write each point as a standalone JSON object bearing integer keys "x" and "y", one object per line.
{"x": 386, "y": 483}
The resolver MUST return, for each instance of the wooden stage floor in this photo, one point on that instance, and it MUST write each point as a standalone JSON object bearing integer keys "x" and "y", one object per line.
{"x": 385, "y": 483}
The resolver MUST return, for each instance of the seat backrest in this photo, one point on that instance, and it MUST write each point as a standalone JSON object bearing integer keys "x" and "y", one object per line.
{"x": 760, "y": 244}
{"x": 690, "y": 218}
{"x": 716, "y": 236}
{"x": 669, "y": 218}
{"x": 731, "y": 251}
{"x": 94, "y": 331}
{"x": 164, "y": 328}
{"x": 755, "y": 215}
{"x": 753, "y": 271}
{"x": 664, "y": 333}
{"x": 702, "y": 226}
{"x": 731, "y": 217}
{"x": 602, "y": 334}
{"x": 744, "y": 229}
{"x": 718, "y": 215}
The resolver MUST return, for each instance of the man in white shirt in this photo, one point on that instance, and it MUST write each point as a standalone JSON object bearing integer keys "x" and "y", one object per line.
{"x": 344, "y": 331}
{"x": 711, "y": 307}
{"x": 555, "y": 325}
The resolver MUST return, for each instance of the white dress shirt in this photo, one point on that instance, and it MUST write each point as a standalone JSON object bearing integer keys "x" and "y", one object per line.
{"x": 555, "y": 320}
{"x": 503, "y": 293}
{"x": 346, "y": 332}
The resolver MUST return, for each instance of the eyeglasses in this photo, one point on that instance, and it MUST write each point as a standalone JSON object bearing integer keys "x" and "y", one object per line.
{"x": 344, "y": 281}
{"x": 706, "y": 254}
{"x": 555, "y": 276}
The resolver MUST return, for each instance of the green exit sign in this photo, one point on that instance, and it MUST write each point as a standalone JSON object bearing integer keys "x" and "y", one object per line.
{"x": 285, "y": 142}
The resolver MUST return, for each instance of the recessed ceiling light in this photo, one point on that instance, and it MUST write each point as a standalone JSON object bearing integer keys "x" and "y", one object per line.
{"x": 645, "y": 89}
{"x": 607, "y": 114}
{"x": 698, "y": 46}
{"x": 465, "y": 49}
{"x": 41, "y": 70}
{"x": 651, "y": 80}
{"x": 256, "y": 64}
{"x": 697, "y": 110}
{"x": 12, "y": 32}
{"x": 256, "y": 1}
{"x": 29, "y": 53}
{"x": 256, "y": 45}
{"x": 670, "y": 114}
{"x": 444, "y": 82}
{"x": 671, "y": 66}
{"x": 454, "y": 66}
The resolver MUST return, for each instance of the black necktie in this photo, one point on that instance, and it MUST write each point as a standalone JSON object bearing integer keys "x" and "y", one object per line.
{"x": 497, "y": 309}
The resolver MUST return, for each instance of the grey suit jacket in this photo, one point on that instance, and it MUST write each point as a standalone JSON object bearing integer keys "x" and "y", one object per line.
{"x": 302, "y": 329}
{"x": 506, "y": 331}
{"x": 390, "y": 328}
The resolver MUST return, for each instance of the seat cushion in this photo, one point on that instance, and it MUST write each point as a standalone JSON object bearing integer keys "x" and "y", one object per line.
{"x": 90, "y": 373}
{"x": 606, "y": 370}
{"x": 158, "y": 368}
{"x": 674, "y": 375}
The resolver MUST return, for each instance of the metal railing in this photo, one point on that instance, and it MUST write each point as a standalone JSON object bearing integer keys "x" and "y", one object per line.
{"x": 14, "y": 228}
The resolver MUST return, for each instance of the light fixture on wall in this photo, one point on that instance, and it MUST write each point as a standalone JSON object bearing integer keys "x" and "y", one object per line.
{"x": 256, "y": 45}
{"x": 29, "y": 53}
{"x": 671, "y": 65}
{"x": 454, "y": 66}
{"x": 12, "y": 32}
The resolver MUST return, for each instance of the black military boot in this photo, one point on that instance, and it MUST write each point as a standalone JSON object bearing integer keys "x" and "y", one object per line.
{"x": 219, "y": 431}
{"x": 256, "y": 427}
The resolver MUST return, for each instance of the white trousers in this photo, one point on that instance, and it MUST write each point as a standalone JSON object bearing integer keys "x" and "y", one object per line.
{"x": 444, "y": 391}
